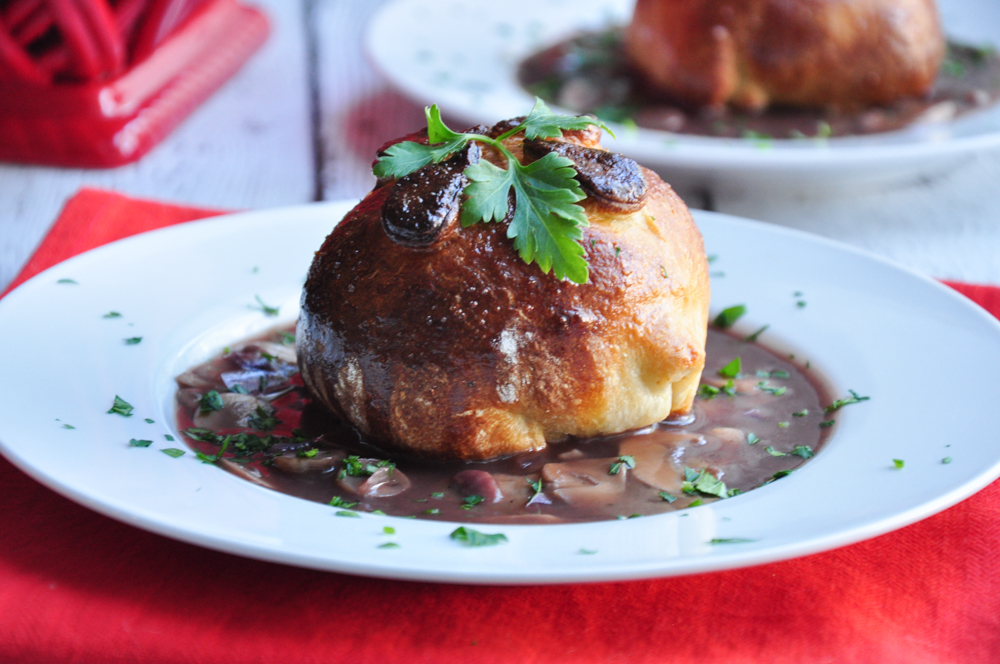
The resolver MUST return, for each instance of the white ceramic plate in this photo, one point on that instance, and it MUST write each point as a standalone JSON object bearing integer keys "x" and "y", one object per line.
{"x": 919, "y": 350}
{"x": 463, "y": 55}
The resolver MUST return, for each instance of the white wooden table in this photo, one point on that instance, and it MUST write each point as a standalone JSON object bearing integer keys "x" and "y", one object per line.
{"x": 302, "y": 120}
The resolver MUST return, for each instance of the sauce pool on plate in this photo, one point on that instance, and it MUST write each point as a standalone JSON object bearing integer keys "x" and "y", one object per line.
{"x": 758, "y": 416}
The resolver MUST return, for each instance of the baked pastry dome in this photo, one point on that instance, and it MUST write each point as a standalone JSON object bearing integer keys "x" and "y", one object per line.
{"x": 441, "y": 341}
{"x": 845, "y": 54}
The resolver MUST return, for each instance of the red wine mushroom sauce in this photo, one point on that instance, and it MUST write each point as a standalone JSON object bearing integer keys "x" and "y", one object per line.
{"x": 756, "y": 419}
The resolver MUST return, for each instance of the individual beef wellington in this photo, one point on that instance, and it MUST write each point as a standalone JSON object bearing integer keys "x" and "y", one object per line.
{"x": 843, "y": 54}
{"x": 440, "y": 341}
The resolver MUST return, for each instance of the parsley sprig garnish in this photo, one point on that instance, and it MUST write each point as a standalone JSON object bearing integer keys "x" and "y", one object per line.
{"x": 546, "y": 220}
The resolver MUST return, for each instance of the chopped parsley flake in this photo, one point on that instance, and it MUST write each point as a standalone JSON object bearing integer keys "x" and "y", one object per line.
{"x": 173, "y": 451}
{"x": 68, "y": 426}
{"x": 898, "y": 463}
{"x": 66, "y": 281}
{"x": 778, "y": 475}
{"x": 307, "y": 454}
{"x": 337, "y": 501}
{"x": 132, "y": 341}
{"x": 149, "y": 421}
{"x": 846, "y": 401}
{"x": 587, "y": 552}
{"x": 470, "y": 537}
{"x": 750, "y": 338}
{"x": 139, "y": 443}
{"x": 389, "y": 545}
{"x": 801, "y": 304}
{"x": 268, "y": 310}
{"x": 347, "y": 514}
{"x": 703, "y": 482}
{"x": 388, "y": 530}
{"x": 696, "y": 502}
{"x": 432, "y": 510}
{"x": 801, "y": 413}
{"x": 707, "y": 391}
{"x": 776, "y": 391}
{"x": 946, "y": 460}
{"x": 730, "y": 540}
{"x": 667, "y": 497}
{"x": 211, "y": 401}
{"x": 168, "y": 437}
{"x": 263, "y": 420}
{"x": 121, "y": 407}
{"x": 783, "y": 425}
{"x": 437, "y": 494}
{"x": 355, "y": 467}
{"x": 803, "y": 451}
{"x": 112, "y": 314}
{"x": 773, "y": 452}
{"x": 625, "y": 460}
{"x": 827, "y": 424}
{"x": 731, "y": 370}
{"x": 471, "y": 501}
{"x": 727, "y": 317}
{"x": 752, "y": 438}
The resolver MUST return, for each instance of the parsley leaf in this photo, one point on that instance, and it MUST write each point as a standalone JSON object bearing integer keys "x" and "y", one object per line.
{"x": 803, "y": 451}
{"x": 389, "y": 545}
{"x": 112, "y": 314}
{"x": 730, "y": 540}
{"x": 543, "y": 123}
{"x": 337, "y": 501}
{"x": 470, "y": 537}
{"x": 121, "y": 407}
{"x": 66, "y": 281}
{"x": 773, "y": 452}
{"x": 173, "y": 451}
{"x": 346, "y": 513}
{"x": 898, "y": 463}
{"x": 139, "y": 443}
{"x": 752, "y": 438}
{"x": 546, "y": 220}
{"x": 132, "y": 341}
{"x": 666, "y": 496}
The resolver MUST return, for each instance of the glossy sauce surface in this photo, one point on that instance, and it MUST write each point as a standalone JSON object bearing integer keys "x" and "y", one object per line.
{"x": 589, "y": 73}
{"x": 746, "y": 431}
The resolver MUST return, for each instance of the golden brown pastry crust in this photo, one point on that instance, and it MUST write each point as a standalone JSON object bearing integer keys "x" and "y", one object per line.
{"x": 818, "y": 53}
{"x": 462, "y": 350}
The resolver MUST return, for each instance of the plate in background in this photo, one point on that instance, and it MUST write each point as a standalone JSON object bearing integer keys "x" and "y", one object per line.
{"x": 463, "y": 56}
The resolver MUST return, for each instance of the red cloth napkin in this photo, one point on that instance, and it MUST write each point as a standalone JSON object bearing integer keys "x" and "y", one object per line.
{"x": 79, "y": 587}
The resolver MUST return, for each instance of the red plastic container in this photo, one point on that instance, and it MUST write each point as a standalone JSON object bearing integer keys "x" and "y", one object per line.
{"x": 99, "y": 115}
